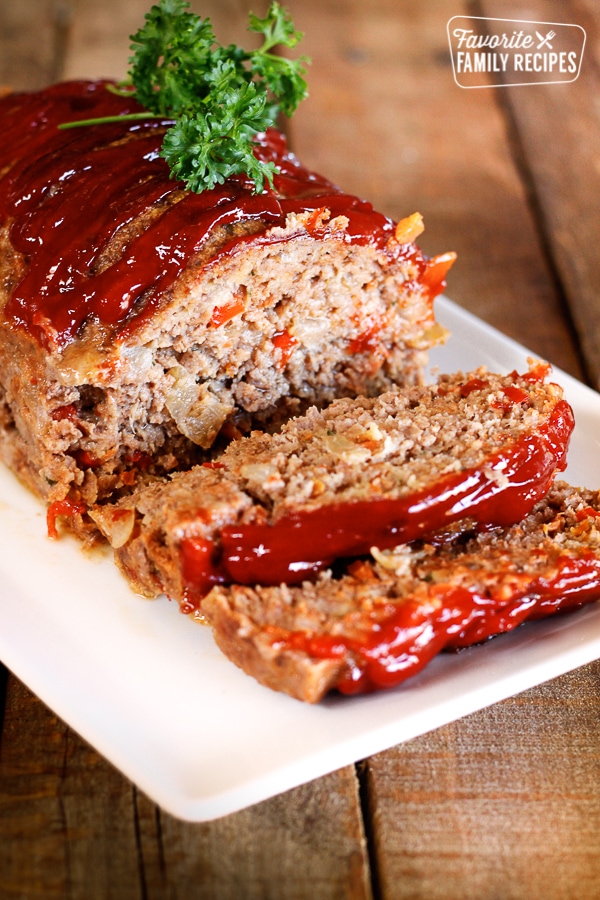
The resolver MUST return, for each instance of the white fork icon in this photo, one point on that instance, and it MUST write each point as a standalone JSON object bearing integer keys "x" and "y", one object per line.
{"x": 545, "y": 41}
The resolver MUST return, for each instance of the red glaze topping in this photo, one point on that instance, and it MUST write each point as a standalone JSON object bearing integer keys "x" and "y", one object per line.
{"x": 298, "y": 546}
{"x": 199, "y": 565}
{"x": 68, "y": 192}
{"x": 409, "y": 634}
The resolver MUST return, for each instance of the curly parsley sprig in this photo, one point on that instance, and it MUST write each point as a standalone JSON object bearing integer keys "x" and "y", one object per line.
{"x": 219, "y": 97}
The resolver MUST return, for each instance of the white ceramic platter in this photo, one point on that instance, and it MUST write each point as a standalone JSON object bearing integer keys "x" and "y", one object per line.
{"x": 148, "y": 688}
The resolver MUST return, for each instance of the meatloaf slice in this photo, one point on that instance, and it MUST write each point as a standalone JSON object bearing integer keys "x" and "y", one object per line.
{"x": 384, "y": 618}
{"x": 477, "y": 448}
{"x": 141, "y": 323}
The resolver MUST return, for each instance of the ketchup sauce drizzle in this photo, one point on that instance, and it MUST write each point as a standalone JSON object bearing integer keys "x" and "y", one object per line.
{"x": 409, "y": 634}
{"x": 68, "y": 192}
{"x": 297, "y": 547}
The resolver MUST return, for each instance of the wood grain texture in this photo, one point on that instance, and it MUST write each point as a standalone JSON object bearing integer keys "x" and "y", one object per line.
{"x": 386, "y": 121}
{"x": 99, "y": 44}
{"x": 558, "y": 128}
{"x": 33, "y": 39}
{"x": 503, "y": 804}
{"x": 301, "y": 844}
{"x": 64, "y": 821}
{"x": 72, "y": 826}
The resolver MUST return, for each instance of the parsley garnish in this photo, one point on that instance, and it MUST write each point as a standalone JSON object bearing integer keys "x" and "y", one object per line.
{"x": 219, "y": 97}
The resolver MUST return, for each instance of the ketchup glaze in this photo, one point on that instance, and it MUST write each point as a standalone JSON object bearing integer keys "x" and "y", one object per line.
{"x": 296, "y": 547}
{"x": 67, "y": 193}
{"x": 405, "y": 636}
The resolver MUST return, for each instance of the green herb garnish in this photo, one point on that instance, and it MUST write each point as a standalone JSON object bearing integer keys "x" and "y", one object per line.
{"x": 219, "y": 97}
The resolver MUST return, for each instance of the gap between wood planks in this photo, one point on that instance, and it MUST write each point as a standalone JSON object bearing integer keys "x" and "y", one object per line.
{"x": 3, "y": 684}
{"x": 536, "y": 207}
{"x": 361, "y": 769}
{"x": 62, "y": 20}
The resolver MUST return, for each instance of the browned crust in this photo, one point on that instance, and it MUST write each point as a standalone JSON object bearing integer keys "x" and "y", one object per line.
{"x": 355, "y": 450}
{"x": 179, "y": 373}
{"x": 253, "y": 650}
{"x": 257, "y": 627}
{"x": 235, "y": 368}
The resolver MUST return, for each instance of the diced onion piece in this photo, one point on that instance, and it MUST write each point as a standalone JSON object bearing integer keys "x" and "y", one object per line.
{"x": 398, "y": 559}
{"x": 372, "y": 433}
{"x": 263, "y": 475}
{"x": 85, "y": 366}
{"x": 311, "y": 332}
{"x": 115, "y": 524}
{"x": 436, "y": 334}
{"x": 198, "y": 413}
{"x": 338, "y": 445}
{"x": 141, "y": 360}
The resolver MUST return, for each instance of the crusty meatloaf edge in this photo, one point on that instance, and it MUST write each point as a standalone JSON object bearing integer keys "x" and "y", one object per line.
{"x": 383, "y": 619}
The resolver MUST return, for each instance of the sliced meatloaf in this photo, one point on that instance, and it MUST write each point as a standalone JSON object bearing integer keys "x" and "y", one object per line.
{"x": 384, "y": 618}
{"x": 140, "y": 323}
{"x": 475, "y": 448}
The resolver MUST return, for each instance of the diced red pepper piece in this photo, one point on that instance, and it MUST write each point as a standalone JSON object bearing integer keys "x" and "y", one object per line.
{"x": 140, "y": 459}
{"x": 67, "y": 508}
{"x": 366, "y": 342}
{"x": 222, "y": 314}
{"x": 434, "y": 276}
{"x": 286, "y": 343}
{"x": 475, "y": 384}
{"x": 69, "y": 411}
{"x": 314, "y": 223}
{"x": 515, "y": 394}
{"x": 588, "y": 512}
{"x": 85, "y": 460}
{"x": 537, "y": 373}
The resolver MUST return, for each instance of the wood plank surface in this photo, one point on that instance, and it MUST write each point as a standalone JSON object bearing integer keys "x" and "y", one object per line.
{"x": 386, "y": 120}
{"x": 486, "y": 807}
{"x": 505, "y": 803}
{"x": 558, "y": 128}
{"x": 33, "y": 44}
{"x": 70, "y": 825}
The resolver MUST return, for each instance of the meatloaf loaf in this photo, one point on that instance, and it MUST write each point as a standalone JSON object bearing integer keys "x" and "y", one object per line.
{"x": 141, "y": 323}
{"x": 470, "y": 449}
{"x": 384, "y": 618}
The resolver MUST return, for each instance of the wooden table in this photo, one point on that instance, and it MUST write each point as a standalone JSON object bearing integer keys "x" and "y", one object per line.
{"x": 504, "y": 803}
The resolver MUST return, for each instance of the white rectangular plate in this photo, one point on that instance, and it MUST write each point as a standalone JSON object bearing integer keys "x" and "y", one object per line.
{"x": 147, "y": 687}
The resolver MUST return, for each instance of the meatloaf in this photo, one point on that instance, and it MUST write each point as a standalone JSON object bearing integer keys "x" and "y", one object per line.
{"x": 470, "y": 449}
{"x": 141, "y": 324}
{"x": 382, "y": 619}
